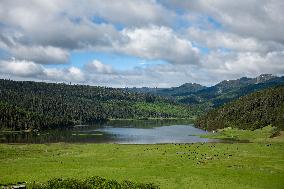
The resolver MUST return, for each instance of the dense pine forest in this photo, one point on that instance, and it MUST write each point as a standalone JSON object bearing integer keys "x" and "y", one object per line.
{"x": 253, "y": 111}
{"x": 38, "y": 105}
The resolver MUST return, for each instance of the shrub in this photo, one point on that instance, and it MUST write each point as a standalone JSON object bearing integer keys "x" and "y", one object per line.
{"x": 91, "y": 183}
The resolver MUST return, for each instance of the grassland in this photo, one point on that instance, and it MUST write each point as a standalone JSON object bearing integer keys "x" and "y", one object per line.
{"x": 265, "y": 134}
{"x": 209, "y": 165}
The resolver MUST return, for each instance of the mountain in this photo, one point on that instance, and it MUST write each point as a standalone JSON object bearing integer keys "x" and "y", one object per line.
{"x": 27, "y": 104}
{"x": 226, "y": 91}
{"x": 186, "y": 88}
{"x": 230, "y": 85}
{"x": 30, "y": 105}
{"x": 143, "y": 90}
{"x": 252, "y": 111}
{"x": 229, "y": 90}
{"x": 264, "y": 77}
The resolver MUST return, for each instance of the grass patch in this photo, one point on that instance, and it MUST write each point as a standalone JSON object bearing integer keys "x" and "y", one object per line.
{"x": 201, "y": 165}
{"x": 234, "y": 134}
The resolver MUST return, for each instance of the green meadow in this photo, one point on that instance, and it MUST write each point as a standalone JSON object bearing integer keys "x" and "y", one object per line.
{"x": 258, "y": 164}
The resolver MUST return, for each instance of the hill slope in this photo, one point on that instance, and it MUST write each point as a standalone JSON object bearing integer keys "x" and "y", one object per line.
{"x": 253, "y": 111}
{"x": 39, "y": 105}
{"x": 186, "y": 88}
{"x": 217, "y": 95}
{"x": 229, "y": 90}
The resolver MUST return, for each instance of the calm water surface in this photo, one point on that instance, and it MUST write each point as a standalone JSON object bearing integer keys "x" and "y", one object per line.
{"x": 121, "y": 132}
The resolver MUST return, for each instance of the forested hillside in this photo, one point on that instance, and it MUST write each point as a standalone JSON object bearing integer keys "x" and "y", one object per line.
{"x": 187, "y": 88}
{"x": 229, "y": 90}
{"x": 217, "y": 95}
{"x": 253, "y": 111}
{"x": 26, "y": 104}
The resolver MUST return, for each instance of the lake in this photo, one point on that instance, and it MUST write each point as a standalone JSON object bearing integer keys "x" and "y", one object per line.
{"x": 120, "y": 132}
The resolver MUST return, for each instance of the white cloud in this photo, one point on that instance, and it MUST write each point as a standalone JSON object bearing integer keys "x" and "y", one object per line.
{"x": 10, "y": 41}
{"x": 69, "y": 25}
{"x": 128, "y": 12}
{"x": 76, "y": 74}
{"x": 233, "y": 65}
{"x": 259, "y": 18}
{"x": 20, "y": 68}
{"x": 47, "y": 31}
{"x": 98, "y": 67}
{"x": 72, "y": 24}
{"x": 40, "y": 54}
{"x": 53, "y": 23}
{"x": 71, "y": 74}
{"x": 221, "y": 39}
{"x": 262, "y": 19}
{"x": 159, "y": 43}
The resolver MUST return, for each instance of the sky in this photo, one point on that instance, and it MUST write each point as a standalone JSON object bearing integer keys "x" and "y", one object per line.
{"x": 135, "y": 43}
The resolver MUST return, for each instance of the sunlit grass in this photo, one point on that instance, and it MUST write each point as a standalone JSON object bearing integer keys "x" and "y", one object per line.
{"x": 259, "y": 135}
{"x": 203, "y": 165}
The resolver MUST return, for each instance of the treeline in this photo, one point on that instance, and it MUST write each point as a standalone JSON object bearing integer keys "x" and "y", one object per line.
{"x": 253, "y": 111}
{"x": 87, "y": 183}
{"x": 15, "y": 118}
{"x": 37, "y": 105}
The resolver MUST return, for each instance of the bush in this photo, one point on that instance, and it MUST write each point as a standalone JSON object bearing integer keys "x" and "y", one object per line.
{"x": 91, "y": 183}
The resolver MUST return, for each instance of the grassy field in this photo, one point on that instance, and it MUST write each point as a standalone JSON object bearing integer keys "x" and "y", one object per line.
{"x": 210, "y": 165}
{"x": 265, "y": 134}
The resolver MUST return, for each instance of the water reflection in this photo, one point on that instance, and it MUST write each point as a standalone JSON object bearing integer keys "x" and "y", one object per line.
{"x": 122, "y": 132}
{"x": 162, "y": 134}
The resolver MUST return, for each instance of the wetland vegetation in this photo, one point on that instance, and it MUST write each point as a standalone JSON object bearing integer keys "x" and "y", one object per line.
{"x": 258, "y": 164}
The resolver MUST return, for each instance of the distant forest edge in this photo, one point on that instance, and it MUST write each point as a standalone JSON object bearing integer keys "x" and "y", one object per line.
{"x": 38, "y": 105}
{"x": 253, "y": 111}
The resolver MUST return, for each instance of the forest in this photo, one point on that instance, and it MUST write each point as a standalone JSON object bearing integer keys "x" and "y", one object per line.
{"x": 217, "y": 95}
{"x": 37, "y": 105}
{"x": 28, "y": 105}
{"x": 254, "y": 111}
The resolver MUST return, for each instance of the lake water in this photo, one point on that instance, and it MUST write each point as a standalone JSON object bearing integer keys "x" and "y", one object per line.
{"x": 121, "y": 132}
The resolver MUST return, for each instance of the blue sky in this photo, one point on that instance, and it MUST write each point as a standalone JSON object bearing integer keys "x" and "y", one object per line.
{"x": 140, "y": 43}
{"x": 116, "y": 60}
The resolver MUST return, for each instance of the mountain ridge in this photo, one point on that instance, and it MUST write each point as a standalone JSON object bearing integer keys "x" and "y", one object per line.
{"x": 216, "y": 95}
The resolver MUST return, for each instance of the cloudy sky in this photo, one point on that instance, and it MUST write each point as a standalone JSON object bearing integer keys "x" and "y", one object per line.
{"x": 155, "y": 43}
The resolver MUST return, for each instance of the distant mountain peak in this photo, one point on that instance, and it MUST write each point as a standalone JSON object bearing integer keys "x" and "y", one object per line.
{"x": 245, "y": 81}
{"x": 191, "y": 85}
{"x": 264, "y": 77}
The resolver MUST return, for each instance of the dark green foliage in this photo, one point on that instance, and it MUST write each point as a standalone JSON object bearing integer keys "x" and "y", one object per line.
{"x": 229, "y": 90}
{"x": 187, "y": 88}
{"x": 217, "y": 95}
{"x": 35, "y": 105}
{"x": 253, "y": 111}
{"x": 183, "y": 90}
{"x": 91, "y": 183}
{"x": 15, "y": 118}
